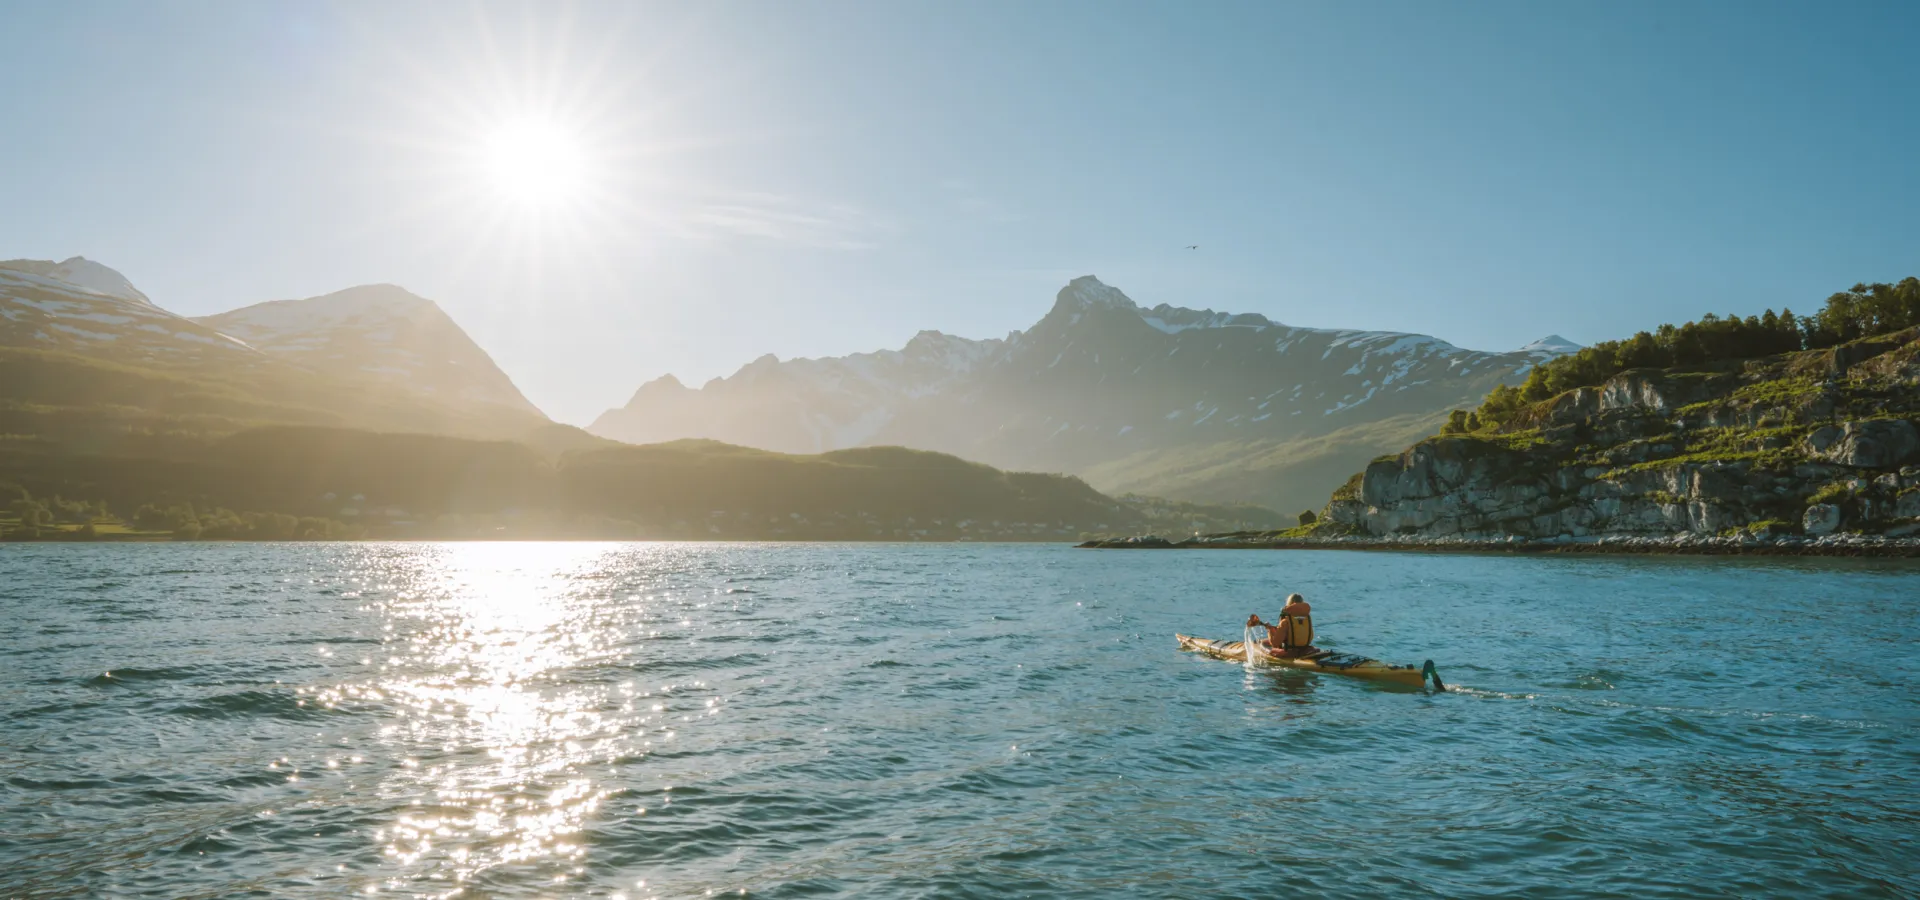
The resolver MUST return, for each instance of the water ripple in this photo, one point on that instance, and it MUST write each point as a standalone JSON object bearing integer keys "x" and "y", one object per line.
{"x": 546, "y": 720}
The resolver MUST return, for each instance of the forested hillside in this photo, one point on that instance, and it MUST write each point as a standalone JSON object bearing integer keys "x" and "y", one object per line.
{"x": 1860, "y": 311}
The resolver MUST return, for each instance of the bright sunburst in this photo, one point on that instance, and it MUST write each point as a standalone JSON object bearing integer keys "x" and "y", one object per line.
{"x": 525, "y": 149}
{"x": 534, "y": 163}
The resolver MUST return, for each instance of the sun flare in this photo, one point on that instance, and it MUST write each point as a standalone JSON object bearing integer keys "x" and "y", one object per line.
{"x": 533, "y": 162}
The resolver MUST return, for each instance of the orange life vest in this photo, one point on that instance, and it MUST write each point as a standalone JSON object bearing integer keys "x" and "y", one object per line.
{"x": 1293, "y": 631}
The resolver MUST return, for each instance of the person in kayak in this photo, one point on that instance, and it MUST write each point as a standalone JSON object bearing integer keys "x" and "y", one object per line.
{"x": 1292, "y": 635}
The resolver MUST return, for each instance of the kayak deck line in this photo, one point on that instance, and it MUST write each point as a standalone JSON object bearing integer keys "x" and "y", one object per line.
{"x": 1322, "y": 661}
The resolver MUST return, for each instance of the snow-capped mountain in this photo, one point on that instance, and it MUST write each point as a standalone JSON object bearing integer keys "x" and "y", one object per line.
{"x": 80, "y": 306}
{"x": 379, "y": 333}
{"x": 1096, "y": 380}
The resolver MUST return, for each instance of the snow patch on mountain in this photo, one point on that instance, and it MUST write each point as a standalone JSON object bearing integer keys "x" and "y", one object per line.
{"x": 1552, "y": 345}
{"x": 31, "y": 296}
{"x": 82, "y": 273}
{"x": 85, "y": 273}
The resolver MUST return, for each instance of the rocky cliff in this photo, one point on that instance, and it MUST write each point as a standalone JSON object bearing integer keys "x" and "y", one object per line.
{"x": 1785, "y": 449}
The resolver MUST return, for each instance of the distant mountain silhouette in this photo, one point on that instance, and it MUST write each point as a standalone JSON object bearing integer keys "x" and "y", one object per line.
{"x": 1132, "y": 398}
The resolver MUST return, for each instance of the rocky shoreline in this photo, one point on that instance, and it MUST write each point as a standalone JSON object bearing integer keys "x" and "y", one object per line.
{"x": 1843, "y": 545}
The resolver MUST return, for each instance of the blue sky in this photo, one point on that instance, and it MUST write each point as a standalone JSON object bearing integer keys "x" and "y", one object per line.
{"x": 821, "y": 178}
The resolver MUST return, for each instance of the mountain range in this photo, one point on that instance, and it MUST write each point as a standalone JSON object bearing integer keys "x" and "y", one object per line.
{"x": 1196, "y": 404}
{"x": 88, "y": 352}
{"x": 370, "y": 413}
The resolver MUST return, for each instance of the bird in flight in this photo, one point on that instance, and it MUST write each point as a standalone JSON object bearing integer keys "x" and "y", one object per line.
{"x": 1193, "y": 246}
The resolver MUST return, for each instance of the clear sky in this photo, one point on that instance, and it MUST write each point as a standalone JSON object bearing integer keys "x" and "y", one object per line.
{"x": 821, "y": 178}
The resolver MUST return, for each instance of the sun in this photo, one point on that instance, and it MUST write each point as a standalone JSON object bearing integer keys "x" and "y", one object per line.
{"x": 534, "y": 163}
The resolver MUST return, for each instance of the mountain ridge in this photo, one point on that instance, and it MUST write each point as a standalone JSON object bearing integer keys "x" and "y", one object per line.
{"x": 98, "y": 361}
{"x": 378, "y": 330}
{"x": 1096, "y": 379}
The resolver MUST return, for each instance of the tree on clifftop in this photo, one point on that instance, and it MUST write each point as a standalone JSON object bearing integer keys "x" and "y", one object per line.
{"x": 1863, "y": 310}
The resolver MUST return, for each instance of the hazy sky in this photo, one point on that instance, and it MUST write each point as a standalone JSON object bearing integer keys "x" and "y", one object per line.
{"x": 813, "y": 178}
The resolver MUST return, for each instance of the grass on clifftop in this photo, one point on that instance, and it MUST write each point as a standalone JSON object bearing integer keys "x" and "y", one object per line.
{"x": 1767, "y": 448}
{"x": 1350, "y": 490}
{"x": 1519, "y": 441}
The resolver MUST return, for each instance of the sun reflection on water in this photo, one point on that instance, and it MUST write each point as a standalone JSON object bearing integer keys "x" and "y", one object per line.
{"x": 498, "y": 713}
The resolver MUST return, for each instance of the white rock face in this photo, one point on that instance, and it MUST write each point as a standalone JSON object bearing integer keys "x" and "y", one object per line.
{"x": 1821, "y": 518}
{"x": 1627, "y": 459}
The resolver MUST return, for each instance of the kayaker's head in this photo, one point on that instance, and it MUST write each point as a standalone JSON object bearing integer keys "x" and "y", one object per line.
{"x": 1295, "y": 598}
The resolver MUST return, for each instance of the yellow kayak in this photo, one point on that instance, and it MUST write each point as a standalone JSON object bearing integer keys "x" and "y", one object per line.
{"x": 1318, "y": 661}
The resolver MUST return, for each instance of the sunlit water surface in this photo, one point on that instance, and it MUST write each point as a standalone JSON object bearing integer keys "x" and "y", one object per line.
{"x": 688, "y": 720}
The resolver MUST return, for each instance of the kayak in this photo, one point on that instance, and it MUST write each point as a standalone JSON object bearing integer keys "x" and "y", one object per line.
{"x": 1318, "y": 661}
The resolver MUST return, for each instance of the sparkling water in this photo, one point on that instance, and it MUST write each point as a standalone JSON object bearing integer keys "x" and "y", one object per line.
{"x": 692, "y": 720}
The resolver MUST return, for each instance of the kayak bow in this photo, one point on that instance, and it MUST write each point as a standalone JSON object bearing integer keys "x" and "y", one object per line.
{"x": 1322, "y": 661}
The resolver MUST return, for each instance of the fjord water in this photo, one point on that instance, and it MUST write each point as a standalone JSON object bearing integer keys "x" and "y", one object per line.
{"x": 687, "y": 720}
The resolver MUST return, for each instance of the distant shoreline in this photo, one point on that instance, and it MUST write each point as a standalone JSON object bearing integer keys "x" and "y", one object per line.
{"x": 1835, "y": 546}
{"x": 519, "y": 539}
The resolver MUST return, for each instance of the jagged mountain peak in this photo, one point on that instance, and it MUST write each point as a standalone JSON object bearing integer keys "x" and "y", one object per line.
{"x": 662, "y": 388}
{"x": 949, "y": 350}
{"x": 931, "y": 338}
{"x": 1088, "y": 292}
{"x": 1097, "y": 380}
{"x": 1175, "y": 319}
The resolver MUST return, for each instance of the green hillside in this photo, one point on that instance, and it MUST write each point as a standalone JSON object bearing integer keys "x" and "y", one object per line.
{"x": 101, "y": 404}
